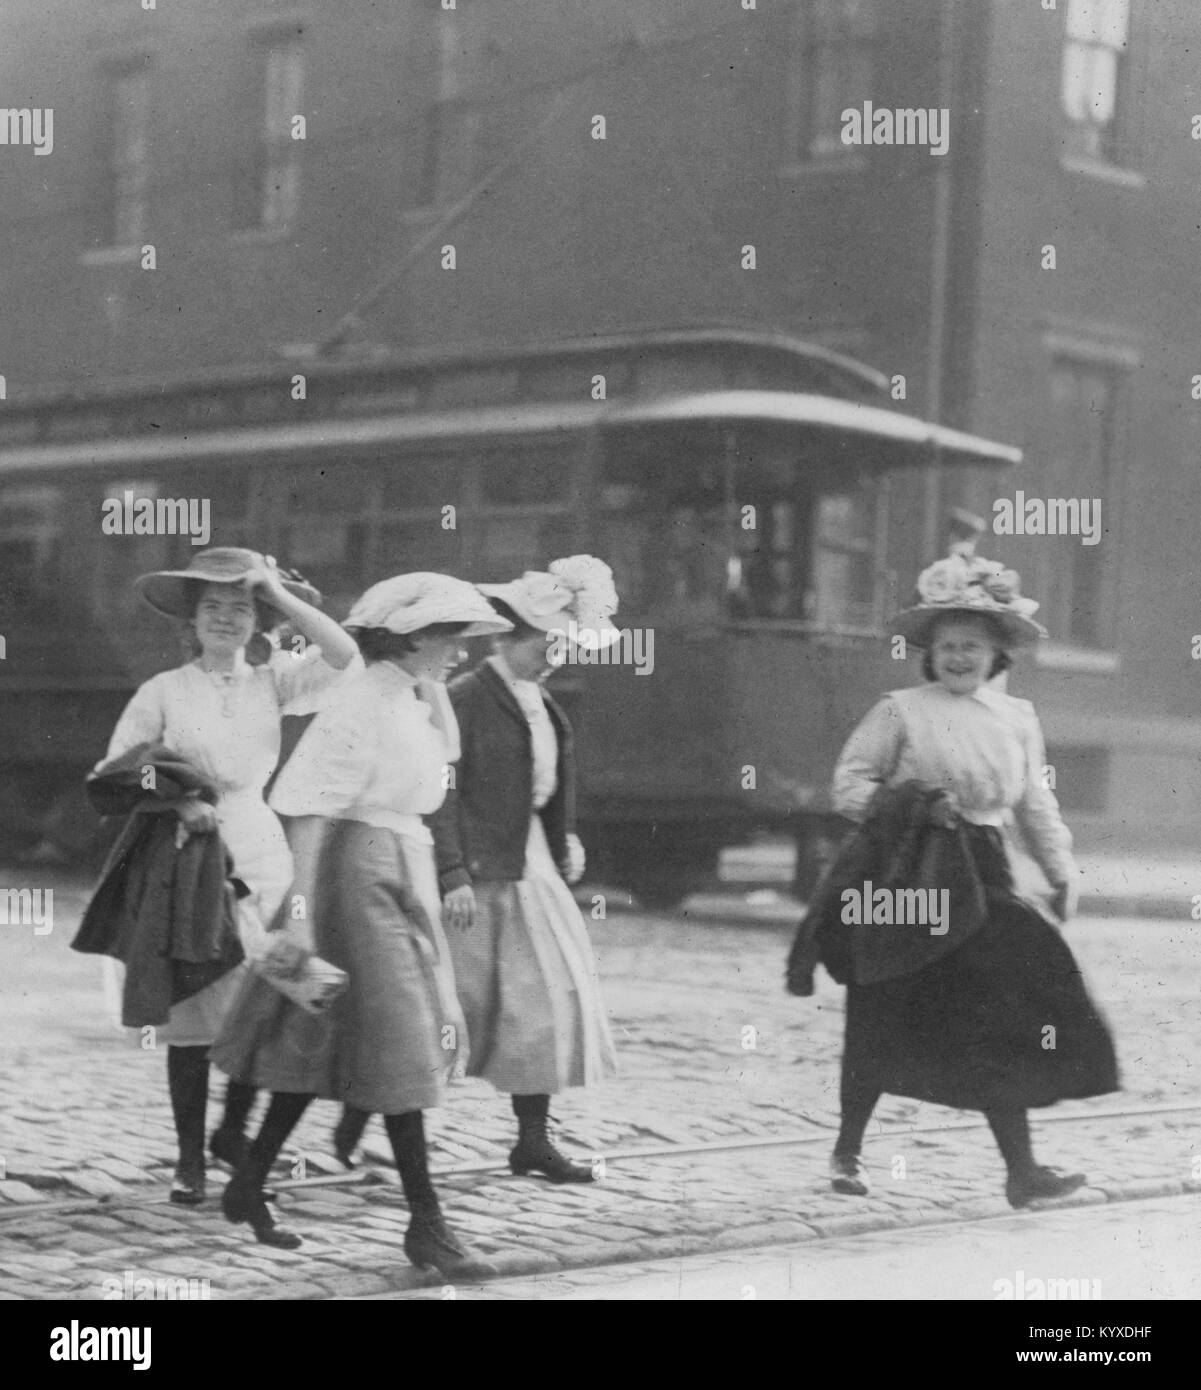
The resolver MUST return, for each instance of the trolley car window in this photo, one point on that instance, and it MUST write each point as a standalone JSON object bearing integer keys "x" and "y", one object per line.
{"x": 331, "y": 510}
{"x": 30, "y": 534}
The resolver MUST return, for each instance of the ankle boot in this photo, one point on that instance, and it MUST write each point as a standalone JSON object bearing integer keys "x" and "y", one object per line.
{"x": 848, "y": 1175}
{"x": 431, "y": 1244}
{"x": 534, "y": 1153}
{"x": 242, "y": 1201}
{"x": 1036, "y": 1182}
{"x": 188, "y": 1185}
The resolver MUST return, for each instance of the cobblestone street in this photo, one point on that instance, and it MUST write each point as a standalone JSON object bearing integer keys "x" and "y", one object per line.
{"x": 714, "y": 1138}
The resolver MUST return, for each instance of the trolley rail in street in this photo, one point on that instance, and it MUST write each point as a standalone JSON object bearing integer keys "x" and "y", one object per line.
{"x": 381, "y": 1174}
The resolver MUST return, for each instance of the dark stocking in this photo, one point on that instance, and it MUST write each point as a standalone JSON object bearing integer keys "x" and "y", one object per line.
{"x": 1011, "y": 1130}
{"x": 239, "y": 1099}
{"x": 406, "y": 1134}
{"x": 282, "y": 1117}
{"x": 188, "y": 1079}
{"x": 857, "y": 1102}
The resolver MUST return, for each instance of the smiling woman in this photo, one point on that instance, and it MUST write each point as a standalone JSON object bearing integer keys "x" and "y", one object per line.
{"x": 992, "y": 1014}
{"x": 216, "y": 721}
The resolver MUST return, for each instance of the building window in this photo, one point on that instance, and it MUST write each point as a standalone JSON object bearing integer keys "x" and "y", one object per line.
{"x": 1075, "y": 575}
{"x": 1094, "y": 57}
{"x": 831, "y": 68}
{"x": 268, "y": 189}
{"x": 126, "y": 160}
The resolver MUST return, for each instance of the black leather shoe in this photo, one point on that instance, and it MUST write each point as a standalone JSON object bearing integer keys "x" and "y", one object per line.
{"x": 241, "y": 1203}
{"x": 431, "y": 1244}
{"x": 534, "y": 1153}
{"x": 188, "y": 1185}
{"x": 848, "y": 1175}
{"x": 229, "y": 1146}
{"x": 1041, "y": 1183}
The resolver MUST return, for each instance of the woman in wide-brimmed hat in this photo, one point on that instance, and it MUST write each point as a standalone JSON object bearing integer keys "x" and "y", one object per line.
{"x": 220, "y": 713}
{"x": 991, "y": 1013}
{"x": 374, "y": 761}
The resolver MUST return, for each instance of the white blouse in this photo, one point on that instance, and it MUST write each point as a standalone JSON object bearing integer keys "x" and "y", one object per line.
{"x": 373, "y": 754}
{"x": 986, "y": 749}
{"x": 228, "y": 729}
{"x": 544, "y": 741}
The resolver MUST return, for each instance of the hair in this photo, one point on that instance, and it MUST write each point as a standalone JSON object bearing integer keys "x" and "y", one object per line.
{"x": 1001, "y": 661}
{"x": 521, "y": 629}
{"x": 378, "y": 644}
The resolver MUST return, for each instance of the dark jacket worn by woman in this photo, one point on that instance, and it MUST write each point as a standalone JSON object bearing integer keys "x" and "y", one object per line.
{"x": 480, "y": 829}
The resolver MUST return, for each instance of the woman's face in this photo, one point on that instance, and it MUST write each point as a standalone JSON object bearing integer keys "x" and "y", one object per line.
{"x": 528, "y": 657}
{"x": 962, "y": 653}
{"x": 435, "y": 657}
{"x": 225, "y": 619}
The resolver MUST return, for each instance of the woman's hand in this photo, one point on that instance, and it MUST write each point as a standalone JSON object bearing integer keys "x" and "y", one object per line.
{"x": 573, "y": 870}
{"x": 197, "y": 817}
{"x": 943, "y": 811}
{"x": 458, "y": 907}
{"x": 1064, "y": 900}
{"x": 263, "y": 581}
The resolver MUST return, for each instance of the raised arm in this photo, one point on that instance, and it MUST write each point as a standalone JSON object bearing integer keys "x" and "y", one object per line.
{"x": 338, "y": 648}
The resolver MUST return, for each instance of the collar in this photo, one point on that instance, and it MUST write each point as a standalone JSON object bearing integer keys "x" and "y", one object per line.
{"x": 393, "y": 675}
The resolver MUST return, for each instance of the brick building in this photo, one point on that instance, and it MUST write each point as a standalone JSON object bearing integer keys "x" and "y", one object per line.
{"x": 1034, "y": 283}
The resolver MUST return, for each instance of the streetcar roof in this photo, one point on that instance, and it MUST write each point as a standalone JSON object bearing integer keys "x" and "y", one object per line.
{"x": 821, "y": 412}
{"x": 783, "y": 408}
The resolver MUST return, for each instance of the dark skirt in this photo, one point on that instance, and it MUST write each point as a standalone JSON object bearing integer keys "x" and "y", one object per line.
{"x": 1004, "y": 1021}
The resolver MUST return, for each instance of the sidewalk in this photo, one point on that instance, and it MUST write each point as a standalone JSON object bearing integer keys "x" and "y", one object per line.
{"x": 715, "y": 1137}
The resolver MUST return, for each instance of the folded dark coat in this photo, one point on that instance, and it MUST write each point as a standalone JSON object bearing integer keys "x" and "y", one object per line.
{"x": 480, "y": 830}
{"x": 896, "y": 849}
{"x": 169, "y": 914}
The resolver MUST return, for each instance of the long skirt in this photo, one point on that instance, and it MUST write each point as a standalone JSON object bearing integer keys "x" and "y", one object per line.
{"x": 1004, "y": 1021}
{"x": 528, "y": 985}
{"x": 390, "y": 1042}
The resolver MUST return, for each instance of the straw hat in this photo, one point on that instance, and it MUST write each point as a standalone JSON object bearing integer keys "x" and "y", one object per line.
{"x": 166, "y": 590}
{"x": 408, "y": 602}
{"x": 967, "y": 585}
{"x": 575, "y": 598}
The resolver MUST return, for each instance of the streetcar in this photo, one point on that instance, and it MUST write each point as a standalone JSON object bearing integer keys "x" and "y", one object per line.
{"x": 756, "y": 495}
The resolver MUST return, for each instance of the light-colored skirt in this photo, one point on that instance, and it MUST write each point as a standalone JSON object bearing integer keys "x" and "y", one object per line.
{"x": 392, "y": 1040}
{"x": 528, "y": 985}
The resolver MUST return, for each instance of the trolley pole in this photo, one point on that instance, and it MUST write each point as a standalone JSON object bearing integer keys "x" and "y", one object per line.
{"x": 939, "y": 263}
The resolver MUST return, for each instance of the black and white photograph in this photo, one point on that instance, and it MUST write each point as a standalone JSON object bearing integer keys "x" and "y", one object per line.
{"x": 600, "y": 660}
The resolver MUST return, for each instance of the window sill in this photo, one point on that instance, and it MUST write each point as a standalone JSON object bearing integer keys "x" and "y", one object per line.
{"x": 1102, "y": 171}
{"x": 110, "y": 255}
{"x": 1056, "y": 656}
{"x": 818, "y": 166}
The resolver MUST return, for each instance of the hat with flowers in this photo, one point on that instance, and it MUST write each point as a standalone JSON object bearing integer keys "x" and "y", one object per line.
{"x": 968, "y": 585}
{"x": 575, "y": 597}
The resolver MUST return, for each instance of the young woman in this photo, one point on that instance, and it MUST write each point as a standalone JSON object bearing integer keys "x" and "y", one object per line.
{"x": 507, "y": 849}
{"x": 221, "y": 713}
{"x": 970, "y": 1029}
{"x": 365, "y": 898}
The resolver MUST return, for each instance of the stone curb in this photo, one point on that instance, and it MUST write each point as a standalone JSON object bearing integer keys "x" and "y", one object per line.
{"x": 765, "y": 1235}
{"x": 349, "y": 1281}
